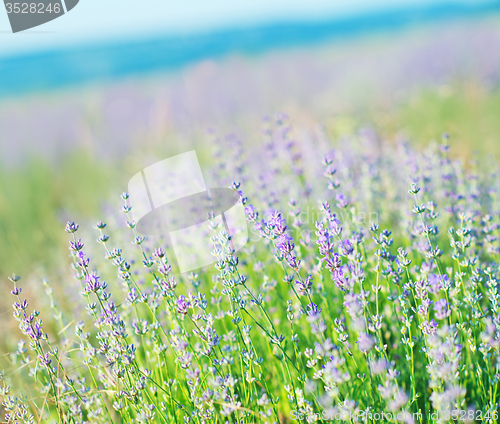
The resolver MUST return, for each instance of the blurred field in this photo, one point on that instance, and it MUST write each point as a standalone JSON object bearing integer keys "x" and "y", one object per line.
{"x": 468, "y": 111}
{"x": 38, "y": 197}
{"x": 68, "y": 154}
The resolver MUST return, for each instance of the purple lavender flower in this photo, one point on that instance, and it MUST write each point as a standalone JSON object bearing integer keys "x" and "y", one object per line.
{"x": 100, "y": 225}
{"x": 352, "y": 303}
{"x": 164, "y": 269}
{"x": 346, "y": 247}
{"x": 379, "y": 366}
{"x": 313, "y": 310}
{"x": 159, "y": 253}
{"x": 277, "y": 224}
{"x": 305, "y": 286}
{"x": 132, "y": 295}
{"x": 45, "y": 359}
{"x": 236, "y": 315}
{"x": 340, "y": 279}
{"x": 365, "y": 342}
{"x": 442, "y": 309}
{"x": 183, "y": 305}
{"x": 437, "y": 283}
{"x": 330, "y": 171}
{"x": 335, "y": 227}
{"x": 76, "y": 245}
{"x": 34, "y": 332}
{"x": 92, "y": 283}
{"x": 21, "y": 306}
{"x": 423, "y": 308}
{"x": 285, "y": 244}
{"x": 251, "y": 214}
{"x": 342, "y": 201}
{"x": 333, "y": 263}
{"x": 16, "y": 291}
{"x": 293, "y": 262}
{"x": 429, "y": 328}
{"x": 71, "y": 227}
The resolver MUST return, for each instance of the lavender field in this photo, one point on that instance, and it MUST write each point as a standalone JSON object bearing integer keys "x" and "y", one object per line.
{"x": 367, "y": 290}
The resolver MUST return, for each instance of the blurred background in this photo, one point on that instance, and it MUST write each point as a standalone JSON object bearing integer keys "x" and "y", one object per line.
{"x": 91, "y": 98}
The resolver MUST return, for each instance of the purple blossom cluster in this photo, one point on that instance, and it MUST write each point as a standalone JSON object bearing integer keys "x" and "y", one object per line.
{"x": 317, "y": 316}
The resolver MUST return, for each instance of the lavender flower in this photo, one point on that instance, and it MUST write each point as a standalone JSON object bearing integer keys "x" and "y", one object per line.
{"x": 71, "y": 227}
{"x": 183, "y": 305}
{"x": 365, "y": 342}
{"x": 304, "y": 286}
{"x": 341, "y": 321}
{"x": 442, "y": 309}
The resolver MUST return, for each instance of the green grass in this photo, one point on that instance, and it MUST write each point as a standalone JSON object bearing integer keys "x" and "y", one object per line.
{"x": 468, "y": 111}
{"x": 36, "y": 200}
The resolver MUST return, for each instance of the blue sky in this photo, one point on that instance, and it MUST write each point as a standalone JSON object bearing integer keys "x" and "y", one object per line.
{"x": 102, "y": 20}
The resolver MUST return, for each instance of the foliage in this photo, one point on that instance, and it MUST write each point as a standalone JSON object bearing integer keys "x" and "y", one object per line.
{"x": 375, "y": 290}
